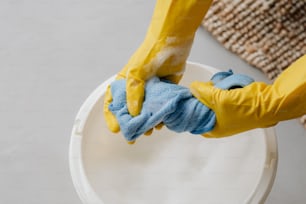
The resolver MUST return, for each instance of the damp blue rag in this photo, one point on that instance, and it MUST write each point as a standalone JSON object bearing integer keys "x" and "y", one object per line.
{"x": 172, "y": 104}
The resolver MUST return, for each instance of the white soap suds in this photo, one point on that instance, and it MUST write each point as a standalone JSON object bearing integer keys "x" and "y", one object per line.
{"x": 177, "y": 53}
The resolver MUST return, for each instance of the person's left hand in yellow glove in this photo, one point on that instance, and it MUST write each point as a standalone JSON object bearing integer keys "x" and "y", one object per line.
{"x": 163, "y": 52}
{"x": 258, "y": 104}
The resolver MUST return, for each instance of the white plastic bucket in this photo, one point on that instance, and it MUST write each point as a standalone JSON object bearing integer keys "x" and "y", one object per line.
{"x": 168, "y": 168}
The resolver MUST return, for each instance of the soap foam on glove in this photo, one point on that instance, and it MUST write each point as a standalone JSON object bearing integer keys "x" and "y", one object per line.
{"x": 172, "y": 104}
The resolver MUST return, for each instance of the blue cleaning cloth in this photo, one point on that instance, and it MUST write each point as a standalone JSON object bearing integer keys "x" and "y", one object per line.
{"x": 172, "y": 104}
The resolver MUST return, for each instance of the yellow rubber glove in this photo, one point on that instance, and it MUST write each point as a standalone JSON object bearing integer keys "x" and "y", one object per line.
{"x": 256, "y": 105}
{"x": 163, "y": 52}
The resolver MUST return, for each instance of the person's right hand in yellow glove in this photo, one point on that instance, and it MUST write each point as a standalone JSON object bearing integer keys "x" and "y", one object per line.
{"x": 257, "y": 105}
{"x": 163, "y": 52}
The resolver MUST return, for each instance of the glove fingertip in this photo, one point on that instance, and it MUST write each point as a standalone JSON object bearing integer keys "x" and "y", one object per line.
{"x": 135, "y": 94}
{"x": 131, "y": 142}
{"x": 149, "y": 132}
{"x": 201, "y": 90}
{"x": 114, "y": 128}
{"x": 134, "y": 107}
{"x": 110, "y": 119}
{"x": 207, "y": 135}
{"x": 159, "y": 126}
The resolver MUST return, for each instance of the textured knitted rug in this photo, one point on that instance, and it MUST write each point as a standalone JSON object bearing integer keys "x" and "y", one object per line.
{"x": 268, "y": 34}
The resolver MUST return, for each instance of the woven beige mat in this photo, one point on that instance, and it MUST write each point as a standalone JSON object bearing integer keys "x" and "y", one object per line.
{"x": 268, "y": 34}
